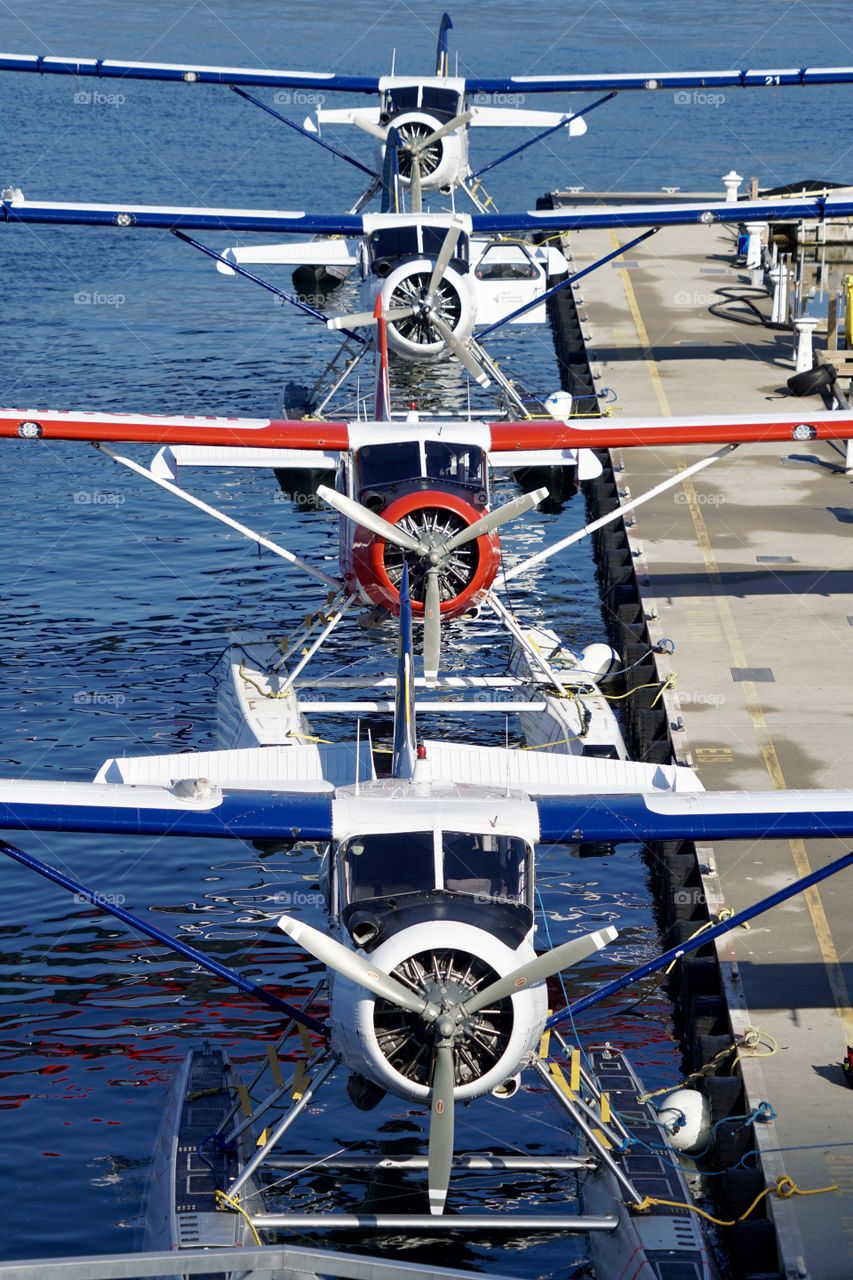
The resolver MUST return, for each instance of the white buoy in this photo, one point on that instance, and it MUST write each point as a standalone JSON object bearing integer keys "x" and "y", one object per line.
{"x": 559, "y": 405}
{"x": 686, "y": 1118}
{"x": 598, "y": 659}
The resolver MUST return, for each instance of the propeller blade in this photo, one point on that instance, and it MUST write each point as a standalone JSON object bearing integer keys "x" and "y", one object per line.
{"x": 361, "y": 319}
{"x": 544, "y": 966}
{"x": 432, "y": 624}
{"x": 351, "y": 965}
{"x": 458, "y": 122}
{"x": 509, "y": 510}
{"x": 463, "y": 355}
{"x": 445, "y": 253}
{"x": 416, "y": 196}
{"x": 375, "y": 130}
{"x": 368, "y": 519}
{"x": 441, "y": 1124}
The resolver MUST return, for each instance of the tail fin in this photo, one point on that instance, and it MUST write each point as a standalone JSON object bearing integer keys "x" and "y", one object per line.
{"x": 405, "y": 733}
{"x": 391, "y": 198}
{"x": 382, "y": 410}
{"x": 442, "y": 58}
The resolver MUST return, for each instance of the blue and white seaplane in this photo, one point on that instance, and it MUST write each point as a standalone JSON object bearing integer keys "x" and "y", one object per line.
{"x": 431, "y": 114}
{"x": 436, "y": 288}
{"x": 433, "y": 990}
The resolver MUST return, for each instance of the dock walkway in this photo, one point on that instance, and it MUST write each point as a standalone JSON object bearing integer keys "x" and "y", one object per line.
{"x": 750, "y": 571}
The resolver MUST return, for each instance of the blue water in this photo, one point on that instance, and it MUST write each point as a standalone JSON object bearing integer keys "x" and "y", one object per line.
{"x": 116, "y": 602}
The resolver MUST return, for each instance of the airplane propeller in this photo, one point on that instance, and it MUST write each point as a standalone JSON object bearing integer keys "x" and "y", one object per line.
{"x": 431, "y": 550}
{"x": 414, "y": 144}
{"x": 448, "y": 1025}
{"x": 425, "y": 309}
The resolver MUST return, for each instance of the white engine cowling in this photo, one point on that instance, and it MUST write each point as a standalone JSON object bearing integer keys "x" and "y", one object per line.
{"x": 354, "y": 1031}
{"x": 443, "y": 164}
{"x": 404, "y": 286}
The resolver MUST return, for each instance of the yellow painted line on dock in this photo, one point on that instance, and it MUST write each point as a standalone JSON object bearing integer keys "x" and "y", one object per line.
{"x": 802, "y": 865}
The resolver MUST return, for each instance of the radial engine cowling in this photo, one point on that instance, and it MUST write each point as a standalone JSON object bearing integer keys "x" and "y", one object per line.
{"x": 394, "y": 1048}
{"x": 443, "y": 162}
{"x": 415, "y": 338}
{"x": 465, "y": 575}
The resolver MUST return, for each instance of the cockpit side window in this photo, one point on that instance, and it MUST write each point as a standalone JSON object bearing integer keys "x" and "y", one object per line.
{"x": 487, "y": 866}
{"x": 384, "y": 865}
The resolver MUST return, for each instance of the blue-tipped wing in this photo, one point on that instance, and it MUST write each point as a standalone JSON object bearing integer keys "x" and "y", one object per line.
{"x": 105, "y": 69}
{"x": 181, "y": 217}
{"x": 771, "y": 78}
{"x": 664, "y": 215}
{"x": 125, "y": 810}
{"x": 695, "y": 815}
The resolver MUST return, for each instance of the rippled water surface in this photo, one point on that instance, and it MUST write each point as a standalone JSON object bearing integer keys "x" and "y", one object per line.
{"x": 116, "y": 602}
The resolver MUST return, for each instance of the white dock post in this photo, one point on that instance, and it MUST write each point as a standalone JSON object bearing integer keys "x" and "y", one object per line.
{"x": 779, "y": 277}
{"x": 731, "y": 182}
{"x": 804, "y": 355}
{"x": 754, "y": 231}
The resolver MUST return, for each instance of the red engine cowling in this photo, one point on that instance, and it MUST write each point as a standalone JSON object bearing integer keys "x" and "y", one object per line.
{"x": 466, "y": 574}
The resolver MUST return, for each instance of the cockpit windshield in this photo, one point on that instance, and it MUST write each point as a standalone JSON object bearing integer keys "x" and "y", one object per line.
{"x": 487, "y": 867}
{"x": 461, "y": 463}
{"x": 384, "y": 865}
{"x": 444, "y": 104}
{"x": 414, "y": 242}
{"x": 380, "y": 465}
{"x": 384, "y": 464}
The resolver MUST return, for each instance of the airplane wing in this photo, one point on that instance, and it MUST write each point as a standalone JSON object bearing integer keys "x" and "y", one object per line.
{"x": 200, "y": 810}
{"x": 622, "y": 433}
{"x": 196, "y": 807}
{"x": 771, "y": 78}
{"x": 695, "y": 815}
{"x": 582, "y": 218}
{"x": 138, "y": 428}
{"x": 167, "y": 217}
{"x": 190, "y": 73}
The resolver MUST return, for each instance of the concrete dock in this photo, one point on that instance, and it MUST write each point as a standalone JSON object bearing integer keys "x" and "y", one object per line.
{"x": 749, "y": 570}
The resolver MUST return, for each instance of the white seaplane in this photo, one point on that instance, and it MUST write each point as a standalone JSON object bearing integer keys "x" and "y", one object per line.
{"x": 434, "y": 991}
{"x": 422, "y": 266}
{"x": 431, "y": 114}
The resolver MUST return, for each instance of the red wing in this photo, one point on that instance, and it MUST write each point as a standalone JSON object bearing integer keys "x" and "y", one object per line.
{"x": 132, "y": 428}
{"x": 612, "y": 433}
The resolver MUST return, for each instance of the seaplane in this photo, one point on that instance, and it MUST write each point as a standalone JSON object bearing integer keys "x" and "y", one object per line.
{"x": 432, "y": 115}
{"x": 432, "y": 989}
{"x": 413, "y": 495}
{"x": 429, "y": 269}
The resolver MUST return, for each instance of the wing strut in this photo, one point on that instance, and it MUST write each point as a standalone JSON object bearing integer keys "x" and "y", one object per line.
{"x": 107, "y": 903}
{"x": 701, "y": 940}
{"x": 275, "y": 547}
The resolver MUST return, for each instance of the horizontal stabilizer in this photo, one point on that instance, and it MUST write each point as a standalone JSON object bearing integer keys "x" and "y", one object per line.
{"x": 545, "y": 773}
{"x": 516, "y": 118}
{"x": 328, "y": 253}
{"x": 313, "y": 767}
